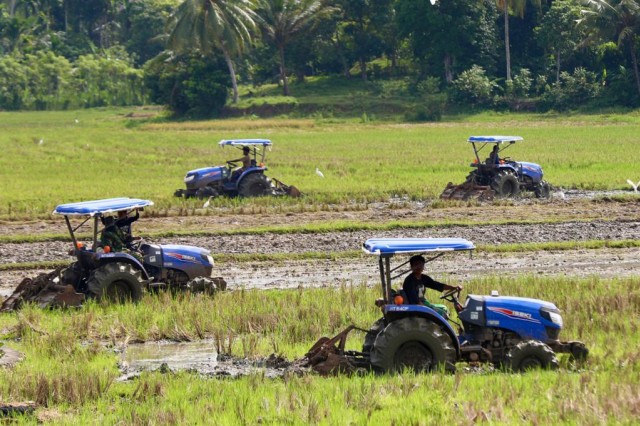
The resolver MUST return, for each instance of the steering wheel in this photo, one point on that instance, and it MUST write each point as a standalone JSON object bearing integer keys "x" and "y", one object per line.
{"x": 231, "y": 164}
{"x": 448, "y": 295}
{"x": 136, "y": 244}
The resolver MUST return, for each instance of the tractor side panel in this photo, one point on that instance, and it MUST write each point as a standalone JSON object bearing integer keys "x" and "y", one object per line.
{"x": 205, "y": 176}
{"x": 521, "y": 318}
{"x": 474, "y": 311}
{"x": 187, "y": 259}
{"x": 532, "y": 170}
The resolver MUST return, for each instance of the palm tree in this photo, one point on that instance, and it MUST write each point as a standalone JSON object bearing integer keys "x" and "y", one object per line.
{"x": 211, "y": 25}
{"x": 619, "y": 20}
{"x": 517, "y": 7}
{"x": 284, "y": 20}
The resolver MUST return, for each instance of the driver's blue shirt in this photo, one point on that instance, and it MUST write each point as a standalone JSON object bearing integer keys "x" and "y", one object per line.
{"x": 414, "y": 287}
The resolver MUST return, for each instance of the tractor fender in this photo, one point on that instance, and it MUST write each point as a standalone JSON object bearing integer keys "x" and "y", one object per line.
{"x": 105, "y": 258}
{"x": 396, "y": 312}
{"x": 249, "y": 171}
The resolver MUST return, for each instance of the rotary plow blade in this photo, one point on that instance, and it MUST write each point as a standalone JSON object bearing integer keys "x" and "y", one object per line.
{"x": 281, "y": 188}
{"x": 329, "y": 357}
{"x": 45, "y": 290}
{"x": 467, "y": 191}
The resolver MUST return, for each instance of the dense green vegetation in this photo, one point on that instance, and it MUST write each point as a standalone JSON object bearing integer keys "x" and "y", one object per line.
{"x": 70, "y": 365}
{"x": 92, "y": 154}
{"x": 560, "y": 55}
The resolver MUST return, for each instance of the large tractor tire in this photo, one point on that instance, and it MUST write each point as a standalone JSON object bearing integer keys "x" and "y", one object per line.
{"x": 116, "y": 282}
{"x": 505, "y": 184}
{"x": 542, "y": 190}
{"x": 255, "y": 185}
{"x": 531, "y": 355}
{"x": 371, "y": 335}
{"x": 414, "y": 343}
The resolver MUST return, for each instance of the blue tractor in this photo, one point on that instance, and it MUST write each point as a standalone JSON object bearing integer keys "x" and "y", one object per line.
{"x": 498, "y": 175}
{"x": 102, "y": 273}
{"x": 515, "y": 333}
{"x": 230, "y": 180}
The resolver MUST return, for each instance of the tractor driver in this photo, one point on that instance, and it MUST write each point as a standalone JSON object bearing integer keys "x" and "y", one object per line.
{"x": 124, "y": 222}
{"x": 112, "y": 235}
{"x": 416, "y": 282}
{"x": 493, "y": 159}
{"x": 246, "y": 163}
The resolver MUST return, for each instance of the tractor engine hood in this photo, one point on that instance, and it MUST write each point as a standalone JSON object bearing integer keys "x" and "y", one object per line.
{"x": 193, "y": 261}
{"x": 530, "y": 168}
{"x": 201, "y": 177}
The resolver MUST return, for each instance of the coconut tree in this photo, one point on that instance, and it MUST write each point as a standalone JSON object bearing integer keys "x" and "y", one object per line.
{"x": 213, "y": 25}
{"x": 618, "y": 20}
{"x": 284, "y": 20}
{"x": 515, "y": 7}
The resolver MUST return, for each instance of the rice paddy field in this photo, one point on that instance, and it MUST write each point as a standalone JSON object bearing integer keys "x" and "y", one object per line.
{"x": 54, "y": 157}
{"x": 73, "y": 365}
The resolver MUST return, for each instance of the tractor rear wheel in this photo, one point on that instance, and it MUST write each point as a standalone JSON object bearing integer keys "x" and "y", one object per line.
{"x": 414, "y": 343}
{"x": 371, "y": 335}
{"x": 531, "y": 355}
{"x": 116, "y": 282}
{"x": 542, "y": 190}
{"x": 255, "y": 185}
{"x": 505, "y": 184}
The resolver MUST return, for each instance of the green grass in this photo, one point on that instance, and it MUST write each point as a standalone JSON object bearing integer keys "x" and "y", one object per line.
{"x": 71, "y": 376}
{"x": 102, "y": 156}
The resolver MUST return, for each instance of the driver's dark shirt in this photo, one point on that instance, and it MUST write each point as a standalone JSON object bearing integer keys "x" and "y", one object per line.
{"x": 414, "y": 287}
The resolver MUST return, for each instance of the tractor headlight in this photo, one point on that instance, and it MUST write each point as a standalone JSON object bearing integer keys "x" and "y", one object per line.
{"x": 189, "y": 178}
{"x": 210, "y": 259}
{"x": 556, "y": 318}
{"x": 553, "y": 316}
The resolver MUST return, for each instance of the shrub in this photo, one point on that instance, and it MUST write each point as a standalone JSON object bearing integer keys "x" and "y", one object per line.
{"x": 430, "y": 108}
{"x": 473, "y": 87}
{"x": 572, "y": 90}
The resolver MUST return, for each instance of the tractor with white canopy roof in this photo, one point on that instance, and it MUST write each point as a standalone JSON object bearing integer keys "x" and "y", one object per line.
{"x": 215, "y": 181}
{"x": 100, "y": 271}
{"x": 498, "y": 175}
{"x": 513, "y": 332}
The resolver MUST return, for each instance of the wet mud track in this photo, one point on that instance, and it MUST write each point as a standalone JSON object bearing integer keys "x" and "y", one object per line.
{"x": 331, "y": 242}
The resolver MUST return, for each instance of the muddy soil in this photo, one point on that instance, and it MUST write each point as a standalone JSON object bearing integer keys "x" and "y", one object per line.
{"x": 577, "y": 205}
{"x": 199, "y": 357}
{"x": 344, "y": 241}
{"x": 458, "y": 268}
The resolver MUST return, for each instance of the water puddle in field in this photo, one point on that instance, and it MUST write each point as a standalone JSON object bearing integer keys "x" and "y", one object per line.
{"x": 195, "y": 357}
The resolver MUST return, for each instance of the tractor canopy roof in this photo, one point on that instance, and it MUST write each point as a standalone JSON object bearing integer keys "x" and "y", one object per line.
{"x": 99, "y": 207}
{"x": 244, "y": 142}
{"x": 390, "y": 246}
{"x": 494, "y": 139}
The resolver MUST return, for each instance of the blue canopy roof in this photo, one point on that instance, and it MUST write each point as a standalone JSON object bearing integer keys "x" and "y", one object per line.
{"x": 494, "y": 139}
{"x": 380, "y": 246}
{"x": 244, "y": 142}
{"x": 108, "y": 205}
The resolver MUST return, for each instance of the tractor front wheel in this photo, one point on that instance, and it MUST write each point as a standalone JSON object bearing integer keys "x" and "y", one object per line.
{"x": 542, "y": 190}
{"x": 506, "y": 184}
{"x": 413, "y": 343}
{"x": 116, "y": 282}
{"x": 531, "y": 355}
{"x": 255, "y": 185}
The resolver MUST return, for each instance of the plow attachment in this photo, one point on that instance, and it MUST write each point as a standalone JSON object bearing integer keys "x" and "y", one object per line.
{"x": 281, "y": 188}
{"x": 467, "y": 191}
{"x": 328, "y": 356}
{"x": 45, "y": 290}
